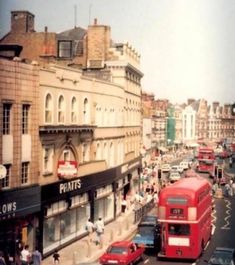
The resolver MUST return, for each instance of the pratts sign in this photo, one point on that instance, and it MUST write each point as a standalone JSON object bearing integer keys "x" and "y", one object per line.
{"x": 67, "y": 169}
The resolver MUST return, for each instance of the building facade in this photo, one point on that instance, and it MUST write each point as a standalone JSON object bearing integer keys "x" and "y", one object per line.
{"x": 89, "y": 126}
{"x": 20, "y": 197}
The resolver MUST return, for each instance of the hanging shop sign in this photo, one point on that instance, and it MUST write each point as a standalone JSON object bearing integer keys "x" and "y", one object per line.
{"x": 67, "y": 169}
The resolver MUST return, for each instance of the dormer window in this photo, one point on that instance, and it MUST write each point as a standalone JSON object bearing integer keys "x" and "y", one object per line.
{"x": 64, "y": 49}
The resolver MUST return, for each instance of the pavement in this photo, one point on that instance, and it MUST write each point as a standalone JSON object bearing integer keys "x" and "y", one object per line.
{"x": 83, "y": 252}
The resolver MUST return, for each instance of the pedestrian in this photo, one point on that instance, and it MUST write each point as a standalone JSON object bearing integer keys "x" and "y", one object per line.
{"x": 99, "y": 228}
{"x": 25, "y": 255}
{"x": 155, "y": 198}
{"x": 227, "y": 190}
{"x": 36, "y": 257}
{"x": 233, "y": 187}
{"x": 89, "y": 228}
{"x": 2, "y": 259}
{"x": 56, "y": 257}
{"x": 123, "y": 205}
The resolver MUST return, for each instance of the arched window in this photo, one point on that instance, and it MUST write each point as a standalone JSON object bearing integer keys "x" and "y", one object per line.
{"x": 111, "y": 155}
{"x": 86, "y": 111}
{"x": 48, "y": 108}
{"x": 74, "y": 109}
{"x": 106, "y": 155}
{"x": 98, "y": 152}
{"x": 61, "y": 110}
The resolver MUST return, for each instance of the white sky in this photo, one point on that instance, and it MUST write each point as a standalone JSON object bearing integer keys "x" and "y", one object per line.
{"x": 186, "y": 46}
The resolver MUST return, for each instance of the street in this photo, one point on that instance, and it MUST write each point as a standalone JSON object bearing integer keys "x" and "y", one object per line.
{"x": 222, "y": 234}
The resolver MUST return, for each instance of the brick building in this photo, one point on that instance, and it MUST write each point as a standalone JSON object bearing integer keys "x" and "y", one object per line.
{"x": 19, "y": 191}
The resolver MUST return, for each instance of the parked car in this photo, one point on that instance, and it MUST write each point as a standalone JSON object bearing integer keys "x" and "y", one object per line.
{"x": 177, "y": 168}
{"x": 174, "y": 176}
{"x": 165, "y": 167}
{"x": 222, "y": 256}
{"x": 148, "y": 233}
{"x": 189, "y": 160}
{"x": 122, "y": 253}
{"x": 184, "y": 165}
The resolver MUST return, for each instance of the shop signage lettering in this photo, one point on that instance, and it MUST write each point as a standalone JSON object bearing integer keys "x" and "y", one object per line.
{"x": 7, "y": 210}
{"x": 70, "y": 186}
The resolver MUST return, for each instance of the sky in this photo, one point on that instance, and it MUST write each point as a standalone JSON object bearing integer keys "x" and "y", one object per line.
{"x": 186, "y": 46}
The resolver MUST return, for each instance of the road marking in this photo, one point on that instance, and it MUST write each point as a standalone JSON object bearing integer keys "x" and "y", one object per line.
{"x": 226, "y": 219}
{"x": 213, "y": 229}
{"x": 147, "y": 260}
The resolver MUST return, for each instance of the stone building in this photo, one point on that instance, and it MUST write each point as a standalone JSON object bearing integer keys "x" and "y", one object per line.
{"x": 89, "y": 120}
{"x": 214, "y": 122}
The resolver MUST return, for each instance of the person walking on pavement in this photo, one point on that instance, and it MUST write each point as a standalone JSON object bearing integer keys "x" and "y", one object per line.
{"x": 2, "y": 259}
{"x": 89, "y": 228}
{"x": 123, "y": 205}
{"x": 36, "y": 257}
{"x": 99, "y": 228}
{"x": 25, "y": 255}
{"x": 56, "y": 258}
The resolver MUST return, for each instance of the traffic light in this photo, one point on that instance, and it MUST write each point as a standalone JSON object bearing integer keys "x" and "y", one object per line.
{"x": 233, "y": 109}
{"x": 220, "y": 173}
{"x": 216, "y": 170}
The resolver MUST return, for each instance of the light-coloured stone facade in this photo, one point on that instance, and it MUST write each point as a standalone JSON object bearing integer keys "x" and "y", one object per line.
{"x": 104, "y": 124}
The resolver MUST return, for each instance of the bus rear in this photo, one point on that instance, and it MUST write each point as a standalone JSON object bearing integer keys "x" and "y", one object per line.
{"x": 185, "y": 217}
{"x": 206, "y": 160}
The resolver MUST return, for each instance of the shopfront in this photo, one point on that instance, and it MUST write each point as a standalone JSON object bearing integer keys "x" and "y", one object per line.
{"x": 19, "y": 212}
{"x": 68, "y": 204}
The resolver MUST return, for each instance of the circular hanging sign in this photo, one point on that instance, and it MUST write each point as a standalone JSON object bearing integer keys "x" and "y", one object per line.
{"x": 3, "y": 172}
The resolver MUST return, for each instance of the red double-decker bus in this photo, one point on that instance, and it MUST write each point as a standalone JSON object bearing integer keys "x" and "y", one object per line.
{"x": 206, "y": 160}
{"x": 185, "y": 216}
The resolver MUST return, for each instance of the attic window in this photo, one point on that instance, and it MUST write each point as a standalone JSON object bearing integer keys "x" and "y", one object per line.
{"x": 64, "y": 49}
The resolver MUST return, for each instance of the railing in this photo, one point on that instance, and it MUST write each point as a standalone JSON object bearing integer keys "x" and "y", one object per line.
{"x": 143, "y": 210}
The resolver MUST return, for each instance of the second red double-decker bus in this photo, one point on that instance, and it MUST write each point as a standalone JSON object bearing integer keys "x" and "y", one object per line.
{"x": 206, "y": 160}
{"x": 185, "y": 217}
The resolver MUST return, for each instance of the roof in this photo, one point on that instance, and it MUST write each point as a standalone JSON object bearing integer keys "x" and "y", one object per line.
{"x": 124, "y": 243}
{"x": 185, "y": 186}
{"x": 76, "y": 33}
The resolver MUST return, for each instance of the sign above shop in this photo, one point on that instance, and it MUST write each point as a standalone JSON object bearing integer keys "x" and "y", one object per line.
{"x": 67, "y": 169}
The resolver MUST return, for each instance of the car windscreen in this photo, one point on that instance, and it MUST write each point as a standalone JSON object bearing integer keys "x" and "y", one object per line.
{"x": 146, "y": 230}
{"x": 221, "y": 258}
{"x": 117, "y": 250}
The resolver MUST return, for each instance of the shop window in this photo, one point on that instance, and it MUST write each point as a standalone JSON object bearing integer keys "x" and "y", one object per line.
{"x": 24, "y": 172}
{"x": 6, "y": 118}
{"x": 56, "y": 208}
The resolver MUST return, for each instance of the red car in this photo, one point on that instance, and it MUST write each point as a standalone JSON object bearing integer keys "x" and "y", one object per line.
{"x": 122, "y": 253}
